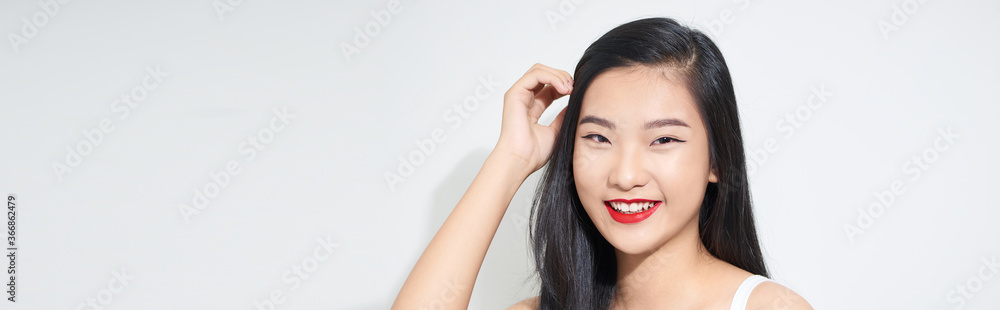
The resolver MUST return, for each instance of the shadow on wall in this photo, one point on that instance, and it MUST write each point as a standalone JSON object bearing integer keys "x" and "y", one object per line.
{"x": 506, "y": 275}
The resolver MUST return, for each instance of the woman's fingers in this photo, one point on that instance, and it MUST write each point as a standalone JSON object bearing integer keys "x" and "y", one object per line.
{"x": 543, "y": 100}
{"x": 549, "y": 94}
{"x": 565, "y": 76}
{"x": 524, "y": 103}
{"x": 533, "y": 82}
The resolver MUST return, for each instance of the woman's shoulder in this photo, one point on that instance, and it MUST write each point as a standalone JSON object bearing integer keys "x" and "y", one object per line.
{"x": 765, "y": 294}
{"x": 772, "y": 295}
{"x": 530, "y": 303}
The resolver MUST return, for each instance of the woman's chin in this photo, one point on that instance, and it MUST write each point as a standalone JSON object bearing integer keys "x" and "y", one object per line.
{"x": 634, "y": 242}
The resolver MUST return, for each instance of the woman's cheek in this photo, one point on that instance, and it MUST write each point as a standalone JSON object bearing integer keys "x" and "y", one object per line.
{"x": 584, "y": 159}
{"x": 588, "y": 178}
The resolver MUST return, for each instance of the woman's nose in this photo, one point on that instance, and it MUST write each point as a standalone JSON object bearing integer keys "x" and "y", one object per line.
{"x": 630, "y": 172}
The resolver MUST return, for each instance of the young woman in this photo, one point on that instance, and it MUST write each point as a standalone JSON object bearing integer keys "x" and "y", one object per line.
{"x": 645, "y": 203}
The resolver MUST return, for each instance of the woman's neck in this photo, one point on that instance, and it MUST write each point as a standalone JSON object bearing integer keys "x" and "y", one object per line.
{"x": 677, "y": 272}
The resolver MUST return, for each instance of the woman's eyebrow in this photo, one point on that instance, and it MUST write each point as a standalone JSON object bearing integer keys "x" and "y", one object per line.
{"x": 597, "y": 120}
{"x": 663, "y": 122}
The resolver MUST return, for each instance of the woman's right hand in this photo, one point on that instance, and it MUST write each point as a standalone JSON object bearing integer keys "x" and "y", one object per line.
{"x": 521, "y": 136}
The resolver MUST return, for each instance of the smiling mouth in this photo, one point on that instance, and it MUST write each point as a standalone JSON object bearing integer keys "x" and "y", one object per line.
{"x": 631, "y": 208}
{"x": 630, "y": 211}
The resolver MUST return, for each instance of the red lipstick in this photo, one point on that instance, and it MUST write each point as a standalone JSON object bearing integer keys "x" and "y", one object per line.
{"x": 629, "y": 218}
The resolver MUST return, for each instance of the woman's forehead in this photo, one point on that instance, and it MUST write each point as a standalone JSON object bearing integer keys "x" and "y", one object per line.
{"x": 630, "y": 94}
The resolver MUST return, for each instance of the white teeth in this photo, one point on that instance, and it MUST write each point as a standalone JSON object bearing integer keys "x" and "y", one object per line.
{"x": 632, "y": 207}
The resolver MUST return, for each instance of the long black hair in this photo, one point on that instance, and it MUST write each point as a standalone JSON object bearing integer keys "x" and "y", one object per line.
{"x": 576, "y": 264}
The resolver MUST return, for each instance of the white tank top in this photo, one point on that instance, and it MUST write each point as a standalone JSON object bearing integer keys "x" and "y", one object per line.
{"x": 743, "y": 293}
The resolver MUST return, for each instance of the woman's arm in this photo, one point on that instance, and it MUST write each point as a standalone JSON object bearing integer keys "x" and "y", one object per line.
{"x": 445, "y": 273}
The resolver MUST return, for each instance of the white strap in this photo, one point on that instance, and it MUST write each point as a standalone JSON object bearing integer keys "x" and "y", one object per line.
{"x": 743, "y": 293}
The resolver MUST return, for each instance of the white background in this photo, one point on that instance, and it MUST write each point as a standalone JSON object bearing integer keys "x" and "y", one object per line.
{"x": 323, "y": 175}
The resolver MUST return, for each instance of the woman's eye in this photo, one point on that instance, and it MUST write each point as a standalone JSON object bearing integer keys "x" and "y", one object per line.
{"x": 666, "y": 140}
{"x": 596, "y": 138}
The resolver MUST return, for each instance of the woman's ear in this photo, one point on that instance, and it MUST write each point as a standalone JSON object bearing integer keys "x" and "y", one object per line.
{"x": 711, "y": 176}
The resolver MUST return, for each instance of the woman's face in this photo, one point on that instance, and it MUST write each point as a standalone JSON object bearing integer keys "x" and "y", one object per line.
{"x": 641, "y": 139}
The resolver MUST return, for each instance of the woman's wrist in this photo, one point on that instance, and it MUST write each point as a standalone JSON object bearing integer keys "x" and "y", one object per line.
{"x": 513, "y": 169}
